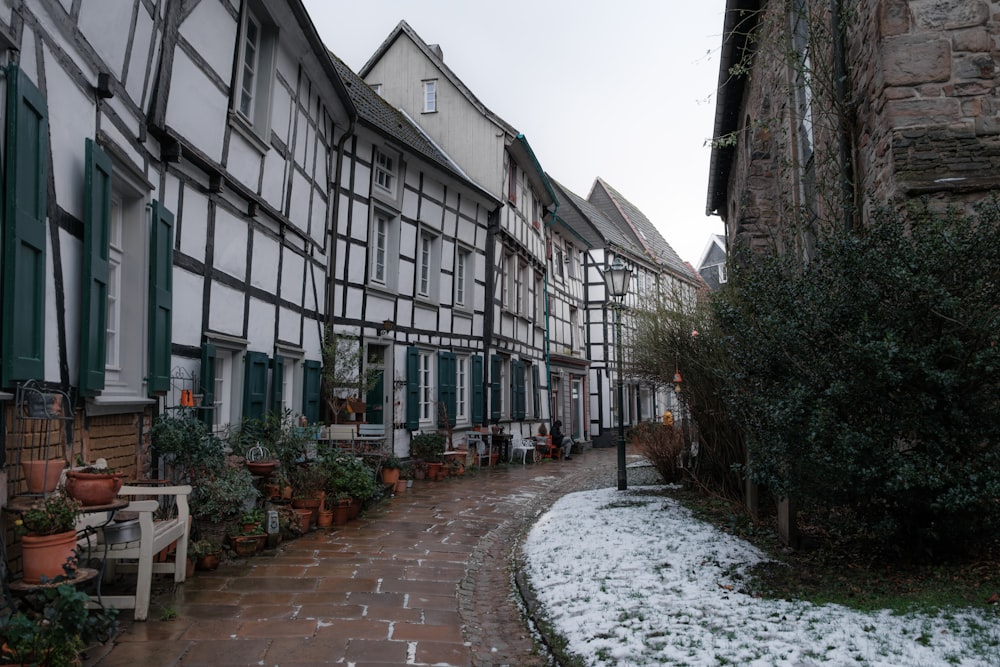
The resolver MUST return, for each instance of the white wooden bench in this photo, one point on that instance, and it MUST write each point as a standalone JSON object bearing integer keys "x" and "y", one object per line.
{"x": 155, "y": 536}
{"x": 341, "y": 436}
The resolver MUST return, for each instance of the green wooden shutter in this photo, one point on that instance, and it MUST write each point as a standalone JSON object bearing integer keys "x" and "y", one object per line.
{"x": 94, "y": 291}
{"x": 161, "y": 261}
{"x": 254, "y": 385}
{"x": 412, "y": 388}
{"x": 477, "y": 389}
{"x": 495, "y": 388}
{"x": 311, "y": 384}
{"x": 447, "y": 386}
{"x": 207, "y": 389}
{"x": 518, "y": 389}
{"x": 537, "y": 391}
{"x": 25, "y": 200}
{"x": 277, "y": 383}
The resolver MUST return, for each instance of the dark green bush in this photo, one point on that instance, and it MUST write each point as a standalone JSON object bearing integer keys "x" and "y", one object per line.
{"x": 869, "y": 379}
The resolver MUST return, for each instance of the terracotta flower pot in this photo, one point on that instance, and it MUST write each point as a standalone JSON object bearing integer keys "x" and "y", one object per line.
{"x": 325, "y": 519}
{"x": 42, "y": 476}
{"x": 340, "y": 514}
{"x": 45, "y": 555}
{"x": 245, "y": 545}
{"x": 93, "y": 488}
{"x": 400, "y": 486}
{"x": 261, "y": 468}
{"x": 208, "y": 562}
{"x": 390, "y": 475}
{"x": 305, "y": 516}
{"x": 312, "y": 504}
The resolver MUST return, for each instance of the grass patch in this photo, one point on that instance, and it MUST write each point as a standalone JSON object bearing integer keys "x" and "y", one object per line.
{"x": 847, "y": 571}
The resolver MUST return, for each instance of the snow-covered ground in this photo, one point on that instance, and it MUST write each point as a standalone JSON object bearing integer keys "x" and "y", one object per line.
{"x": 631, "y": 578}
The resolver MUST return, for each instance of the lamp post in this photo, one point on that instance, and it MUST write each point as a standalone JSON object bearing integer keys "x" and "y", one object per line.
{"x": 617, "y": 278}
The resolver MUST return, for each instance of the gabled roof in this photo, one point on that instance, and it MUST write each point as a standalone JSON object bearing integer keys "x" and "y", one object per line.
{"x": 434, "y": 55}
{"x": 393, "y": 124}
{"x": 626, "y": 214}
{"x": 587, "y": 221}
{"x": 517, "y": 144}
{"x": 714, "y": 241}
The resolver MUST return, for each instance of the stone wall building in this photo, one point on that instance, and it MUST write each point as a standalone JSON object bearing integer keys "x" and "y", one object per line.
{"x": 882, "y": 102}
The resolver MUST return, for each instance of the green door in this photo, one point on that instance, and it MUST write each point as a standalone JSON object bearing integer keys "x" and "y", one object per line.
{"x": 374, "y": 408}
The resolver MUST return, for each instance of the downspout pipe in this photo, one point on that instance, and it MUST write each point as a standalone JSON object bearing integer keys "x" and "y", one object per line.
{"x": 548, "y": 333}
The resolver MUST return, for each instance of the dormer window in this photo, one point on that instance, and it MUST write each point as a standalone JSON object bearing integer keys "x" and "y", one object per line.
{"x": 385, "y": 172}
{"x": 255, "y": 71}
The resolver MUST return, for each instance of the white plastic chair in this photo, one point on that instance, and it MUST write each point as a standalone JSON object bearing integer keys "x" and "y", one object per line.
{"x": 518, "y": 445}
{"x": 476, "y": 441}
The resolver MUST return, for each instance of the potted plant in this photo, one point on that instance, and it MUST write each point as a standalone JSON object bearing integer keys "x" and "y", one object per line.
{"x": 341, "y": 508}
{"x": 51, "y": 627}
{"x": 428, "y": 446}
{"x": 187, "y": 445}
{"x": 219, "y": 497}
{"x": 390, "y": 470}
{"x": 94, "y": 484}
{"x": 42, "y": 475}
{"x": 252, "y": 521}
{"x": 48, "y": 538}
{"x": 206, "y": 553}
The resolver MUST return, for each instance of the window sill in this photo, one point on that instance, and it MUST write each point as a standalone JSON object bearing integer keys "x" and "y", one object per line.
{"x": 117, "y": 405}
{"x": 245, "y": 130}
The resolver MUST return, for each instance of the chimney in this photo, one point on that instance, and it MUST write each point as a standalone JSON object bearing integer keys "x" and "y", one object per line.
{"x": 436, "y": 50}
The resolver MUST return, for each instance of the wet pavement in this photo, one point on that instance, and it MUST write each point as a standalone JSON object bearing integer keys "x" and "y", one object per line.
{"x": 423, "y": 578}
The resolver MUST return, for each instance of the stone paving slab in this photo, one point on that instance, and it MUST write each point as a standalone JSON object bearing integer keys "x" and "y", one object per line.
{"x": 423, "y": 579}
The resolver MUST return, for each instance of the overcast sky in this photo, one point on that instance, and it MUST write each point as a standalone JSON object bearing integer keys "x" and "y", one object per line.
{"x": 621, "y": 90}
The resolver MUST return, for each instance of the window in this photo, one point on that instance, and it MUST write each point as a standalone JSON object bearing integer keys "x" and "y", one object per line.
{"x": 383, "y": 247}
{"x": 426, "y": 384}
{"x": 428, "y": 264}
{"x": 461, "y": 389}
{"x": 377, "y": 88}
{"x": 512, "y": 182}
{"x": 723, "y": 275}
{"x": 127, "y": 274}
{"x": 506, "y": 279}
{"x": 504, "y": 382}
{"x": 535, "y": 222}
{"x": 559, "y": 261}
{"x": 255, "y": 70}
{"x": 430, "y": 96}
{"x": 539, "y": 301}
{"x": 385, "y": 172}
{"x": 463, "y": 275}
{"x": 571, "y": 260}
{"x": 519, "y": 288}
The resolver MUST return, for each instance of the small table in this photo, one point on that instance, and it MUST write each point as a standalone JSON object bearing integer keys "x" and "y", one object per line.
{"x": 82, "y": 576}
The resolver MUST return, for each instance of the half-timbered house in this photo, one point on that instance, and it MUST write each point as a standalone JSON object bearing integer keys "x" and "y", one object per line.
{"x": 616, "y": 228}
{"x": 412, "y": 75}
{"x": 166, "y": 198}
{"x": 411, "y": 271}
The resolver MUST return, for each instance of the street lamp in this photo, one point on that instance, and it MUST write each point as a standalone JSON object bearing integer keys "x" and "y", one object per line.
{"x": 617, "y": 278}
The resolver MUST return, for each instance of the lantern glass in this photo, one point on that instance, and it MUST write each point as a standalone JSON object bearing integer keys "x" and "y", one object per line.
{"x": 617, "y": 278}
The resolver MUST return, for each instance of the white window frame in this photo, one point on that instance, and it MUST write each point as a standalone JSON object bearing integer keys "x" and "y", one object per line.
{"x": 428, "y": 263}
{"x": 126, "y": 347}
{"x": 376, "y": 88}
{"x": 255, "y": 72}
{"x": 463, "y": 264}
{"x": 723, "y": 274}
{"x": 430, "y": 95}
{"x": 383, "y": 248}
{"x": 461, "y": 388}
{"x": 426, "y": 382}
{"x": 385, "y": 172}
